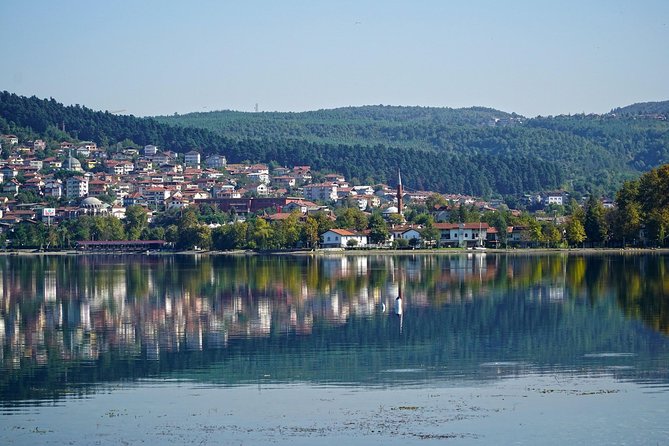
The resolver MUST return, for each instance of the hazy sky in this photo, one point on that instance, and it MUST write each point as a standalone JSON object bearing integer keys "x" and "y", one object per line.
{"x": 159, "y": 57}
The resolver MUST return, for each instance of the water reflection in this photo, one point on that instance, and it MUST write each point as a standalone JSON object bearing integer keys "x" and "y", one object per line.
{"x": 70, "y": 323}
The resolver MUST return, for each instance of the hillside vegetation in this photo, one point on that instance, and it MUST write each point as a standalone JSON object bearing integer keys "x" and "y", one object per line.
{"x": 592, "y": 152}
{"x": 477, "y": 151}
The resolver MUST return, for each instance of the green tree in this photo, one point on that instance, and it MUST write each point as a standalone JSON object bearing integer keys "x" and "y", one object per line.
{"x": 288, "y": 231}
{"x": 311, "y": 234}
{"x": 627, "y": 217}
{"x": 498, "y": 221}
{"x": 658, "y": 226}
{"x": 351, "y": 218}
{"x": 429, "y": 234}
{"x": 262, "y": 234}
{"x": 552, "y": 235}
{"x": 574, "y": 231}
{"x": 435, "y": 201}
{"x": 136, "y": 221}
{"x": 379, "y": 233}
{"x": 595, "y": 221}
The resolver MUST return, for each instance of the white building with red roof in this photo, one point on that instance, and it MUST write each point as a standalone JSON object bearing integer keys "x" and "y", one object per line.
{"x": 343, "y": 238}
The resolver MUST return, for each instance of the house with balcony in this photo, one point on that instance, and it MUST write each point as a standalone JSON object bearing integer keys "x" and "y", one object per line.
{"x": 320, "y": 192}
{"x": 343, "y": 238}
{"x": 284, "y": 181}
{"x": 76, "y": 187}
{"x": 215, "y": 161}
{"x": 192, "y": 159}
{"x": 464, "y": 235}
{"x": 156, "y": 197}
{"x": 53, "y": 188}
{"x": 150, "y": 150}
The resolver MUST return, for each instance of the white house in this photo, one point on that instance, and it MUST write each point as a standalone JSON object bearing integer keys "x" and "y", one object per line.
{"x": 192, "y": 159}
{"x": 323, "y": 192}
{"x": 363, "y": 190}
{"x": 53, "y": 188}
{"x": 556, "y": 198}
{"x": 261, "y": 177}
{"x": 156, "y": 197}
{"x": 215, "y": 161}
{"x": 76, "y": 187}
{"x": 410, "y": 234}
{"x": 462, "y": 234}
{"x": 340, "y": 238}
{"x": 150, "y": 150}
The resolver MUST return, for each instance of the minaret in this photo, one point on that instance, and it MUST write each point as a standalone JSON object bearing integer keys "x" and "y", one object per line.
{"x": 400, "y": 193}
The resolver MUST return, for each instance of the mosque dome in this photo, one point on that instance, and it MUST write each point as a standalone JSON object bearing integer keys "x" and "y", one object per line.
{"x": 74, "y": 164}
{"x": 92, "y": 203}
{"x": 391, "y": 210}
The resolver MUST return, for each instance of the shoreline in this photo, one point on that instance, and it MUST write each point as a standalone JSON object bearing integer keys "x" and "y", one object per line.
{"x": 336, "y": 252}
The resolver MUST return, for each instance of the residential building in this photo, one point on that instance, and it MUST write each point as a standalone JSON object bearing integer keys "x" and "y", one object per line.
{"x": 343, "y": 238}
{"x": 261, "y": 177}
{"x": 38, "y": 144}
{"x": 156, "y": 197}
{"x": 556, "y": 198}
{"x": 53, "y": 188}
{"x": 215, "y": 161}
{"x": 284, "y": 181}
{"x": 462, "y": 234}
{"x": 150, "y": 150}
{"x": 11, "y": 187}
{"x": 322, "y": 192}
{"x": 192, "y": 159}
{"x": 76, "y": 187}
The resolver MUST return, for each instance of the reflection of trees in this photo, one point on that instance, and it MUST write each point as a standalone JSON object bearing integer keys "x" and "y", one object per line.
{"x": 642, "y": 290}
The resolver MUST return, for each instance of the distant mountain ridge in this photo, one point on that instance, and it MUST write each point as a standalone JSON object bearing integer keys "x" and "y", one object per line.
{"x": 644, "y": 108}
{"x": 477, "y": 150}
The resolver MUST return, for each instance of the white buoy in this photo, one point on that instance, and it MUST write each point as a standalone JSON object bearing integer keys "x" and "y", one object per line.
{"x": 398, "y": 306}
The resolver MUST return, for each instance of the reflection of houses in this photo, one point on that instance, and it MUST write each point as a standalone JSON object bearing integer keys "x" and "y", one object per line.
{"x": 342, "y": 238}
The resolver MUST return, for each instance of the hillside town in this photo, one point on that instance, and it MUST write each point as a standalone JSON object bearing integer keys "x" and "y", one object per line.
{"x": 52, "y": 185}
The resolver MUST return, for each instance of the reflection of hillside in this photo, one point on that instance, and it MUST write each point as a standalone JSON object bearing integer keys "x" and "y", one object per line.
{"x": 59, "y": 311}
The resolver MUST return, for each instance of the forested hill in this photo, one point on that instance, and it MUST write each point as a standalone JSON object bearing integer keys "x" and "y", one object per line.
{"x": 475, "y": 151}
{"x": 366, "y": 125}
{"x": 594, "y": 152}
{"x": 644, "y": 108}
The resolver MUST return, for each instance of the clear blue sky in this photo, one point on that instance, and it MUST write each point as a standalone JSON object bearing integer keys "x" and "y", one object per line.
{"x": 159, "y": 57}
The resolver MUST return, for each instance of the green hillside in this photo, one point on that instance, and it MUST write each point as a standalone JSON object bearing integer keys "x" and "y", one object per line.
{"x": 477, "y": 151}
{"x": 595, "y": 152}
{"x": 410, "y": 127}
{"x": 644, "y": 108}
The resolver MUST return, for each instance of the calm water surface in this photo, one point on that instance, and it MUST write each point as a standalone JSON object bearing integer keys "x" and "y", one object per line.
{"x": 480, "y": 349}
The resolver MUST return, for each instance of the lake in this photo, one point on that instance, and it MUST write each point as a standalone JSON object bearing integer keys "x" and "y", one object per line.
{"x": 480, "y": 348}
